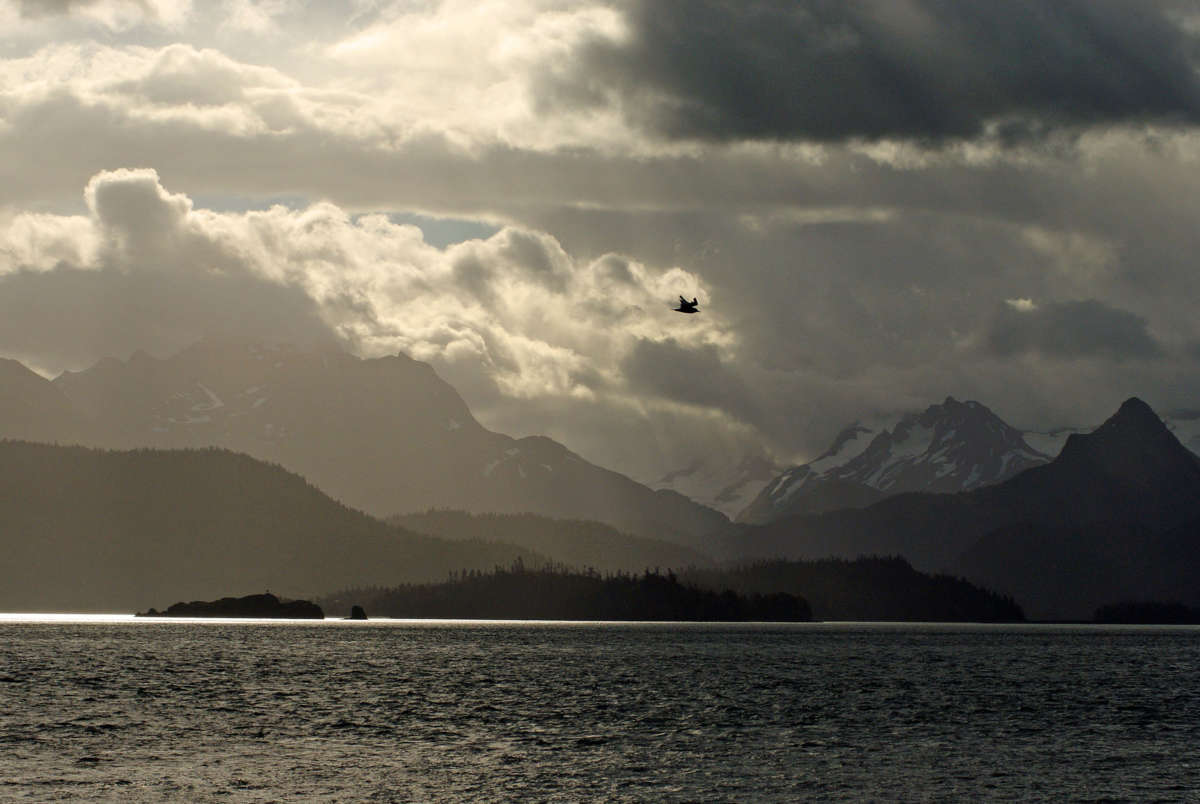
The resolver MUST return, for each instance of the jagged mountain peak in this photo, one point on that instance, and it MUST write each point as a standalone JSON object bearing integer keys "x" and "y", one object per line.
{"x": 948, "y": 447}
{"x": 1134, "y": 415}
{"x": 1134, "y": 442}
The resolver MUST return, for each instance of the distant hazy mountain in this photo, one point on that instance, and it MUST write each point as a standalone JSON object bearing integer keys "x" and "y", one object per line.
{"x": 1114, "y": 516}
{"x": 727, "y": 487}
{"x": 32, "y": 408}
{"x": 384, "y": 435}
{"x": 576, "y": 543}
{"x": 94, "y": 530}
{"x": 951, "y": 447}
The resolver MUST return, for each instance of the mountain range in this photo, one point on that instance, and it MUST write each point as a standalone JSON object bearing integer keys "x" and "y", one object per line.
{"x": 1115, "y": 516}
{"x": 951, "y": 447}
{"x": 385, "y": 435}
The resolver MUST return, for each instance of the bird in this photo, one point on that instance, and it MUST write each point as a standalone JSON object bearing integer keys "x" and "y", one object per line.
{"x": 686, "y": 306}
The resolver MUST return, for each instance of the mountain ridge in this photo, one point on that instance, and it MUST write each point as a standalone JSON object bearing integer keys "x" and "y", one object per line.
{"x": 949, "y": 447}
{"x": 385, "y": 435}
{"x": 87, "y": 529}
{"x": 1129, "y": 478}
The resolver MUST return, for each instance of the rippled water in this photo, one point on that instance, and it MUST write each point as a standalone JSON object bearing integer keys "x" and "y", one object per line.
{"x": 453, "y": 711}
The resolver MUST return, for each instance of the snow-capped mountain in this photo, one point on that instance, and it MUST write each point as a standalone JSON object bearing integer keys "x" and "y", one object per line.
{"x": 728, "y": 488}
{"x": 384, "y": 435}
{"x": 954, "y": 446}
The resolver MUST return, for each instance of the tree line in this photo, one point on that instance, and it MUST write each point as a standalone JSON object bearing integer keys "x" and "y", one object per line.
{"x": 555, "y": 592}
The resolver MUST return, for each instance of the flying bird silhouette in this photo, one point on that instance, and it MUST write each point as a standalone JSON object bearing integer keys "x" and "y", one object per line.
{"x": 686, "y": 306}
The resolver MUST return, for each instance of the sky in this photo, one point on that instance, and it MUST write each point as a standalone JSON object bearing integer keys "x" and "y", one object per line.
{"x": 878, "y": 203}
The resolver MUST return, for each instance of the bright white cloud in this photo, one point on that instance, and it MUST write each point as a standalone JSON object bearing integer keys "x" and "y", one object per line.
{"x": 515, "y": 318}
{"x": 1021, "y": 305}
{"x": 468, "y": 66}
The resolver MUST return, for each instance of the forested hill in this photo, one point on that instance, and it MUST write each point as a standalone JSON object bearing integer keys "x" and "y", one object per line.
{"x": 868, "y": 588}
{"x": 551, "y": 593}
{"x": 576, "y": 542}
{"x": 93, "y": 530}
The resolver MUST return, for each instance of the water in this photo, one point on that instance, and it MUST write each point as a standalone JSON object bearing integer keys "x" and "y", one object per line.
{"x": 111, "y": 708}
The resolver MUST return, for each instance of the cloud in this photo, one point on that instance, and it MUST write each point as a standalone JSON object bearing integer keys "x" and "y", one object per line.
{"x": 937, "y": 70}
{"x": 852, "y": 250}
{"x": 470, "y": 65}
{"x": 112, "y": 14}
{"x": 1070, "y": 330}
{"x": 512, "y": 320}
{"x": 142, "y": 270}
{"x": 693, "y": 375}
{"x": 180, "y": 75}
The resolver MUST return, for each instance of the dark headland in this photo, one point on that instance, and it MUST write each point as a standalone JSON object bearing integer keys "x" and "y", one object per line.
{"x": 265, "y": 606}
{"x": 1147, "y": 612}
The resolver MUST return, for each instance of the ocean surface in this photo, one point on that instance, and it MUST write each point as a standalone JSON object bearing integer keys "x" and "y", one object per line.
{"x": 109, "y": 708}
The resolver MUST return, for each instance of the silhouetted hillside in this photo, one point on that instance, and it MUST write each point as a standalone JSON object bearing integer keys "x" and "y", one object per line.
{"x": 91, "y": 530}
{"x": 574, "y": 542}
{"x": 557, "y": 594}
{"x": 1147, "y": 612}
{"x": 1065, "y": 573}
{"x": 866, "y": 589}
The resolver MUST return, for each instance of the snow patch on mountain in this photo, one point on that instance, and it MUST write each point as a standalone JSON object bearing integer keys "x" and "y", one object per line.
{"x": 849, "y": 444}
{"x": 213, "y": 402}
{"x": 717, "y": 483}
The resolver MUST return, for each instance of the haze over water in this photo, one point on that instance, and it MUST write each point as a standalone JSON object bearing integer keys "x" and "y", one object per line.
{"x": 113, "y": 708}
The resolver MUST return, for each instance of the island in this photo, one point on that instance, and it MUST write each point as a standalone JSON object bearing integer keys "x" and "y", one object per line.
{"x": 264, "y": 606}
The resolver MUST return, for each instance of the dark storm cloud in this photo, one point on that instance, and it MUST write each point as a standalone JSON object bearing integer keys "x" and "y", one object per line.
{"x": 1070, "y": 330}
{"x": 923, "y": 69}
{"x": 694, "y": 375}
